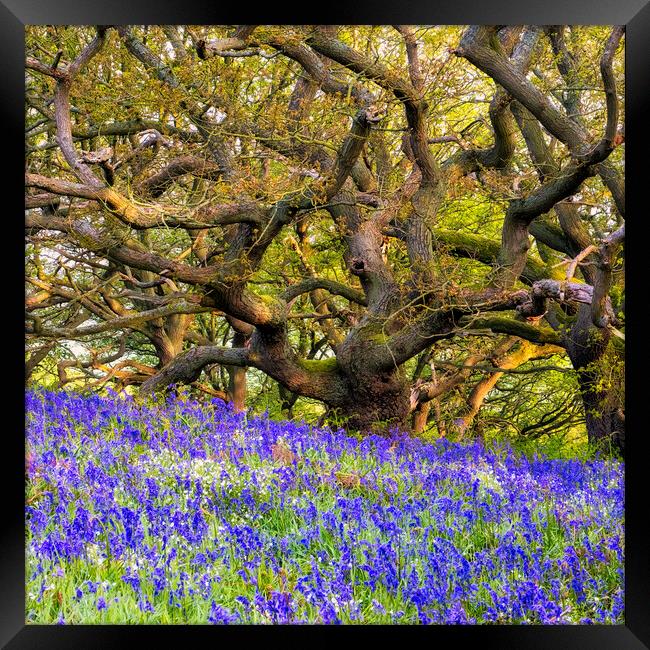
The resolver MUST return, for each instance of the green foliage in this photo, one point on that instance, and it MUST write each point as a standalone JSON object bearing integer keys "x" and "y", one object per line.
{"x": 244, "y": 101}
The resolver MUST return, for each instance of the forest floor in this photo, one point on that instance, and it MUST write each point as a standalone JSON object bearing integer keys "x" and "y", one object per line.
{"x": 186, "y": 512}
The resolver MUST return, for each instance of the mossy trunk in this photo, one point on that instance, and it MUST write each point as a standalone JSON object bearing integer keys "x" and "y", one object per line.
{"x": 600, "y": 377}
{"x": 376, "y": 403}
{"x": 604, "y": 415}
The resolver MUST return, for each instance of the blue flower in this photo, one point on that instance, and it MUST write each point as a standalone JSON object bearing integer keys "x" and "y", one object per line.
{"x": 221, "y": 616}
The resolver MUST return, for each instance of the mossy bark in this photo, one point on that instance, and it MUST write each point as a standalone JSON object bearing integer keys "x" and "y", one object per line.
{"x": 376, "y": 404}
{"x": 594, "y": 357}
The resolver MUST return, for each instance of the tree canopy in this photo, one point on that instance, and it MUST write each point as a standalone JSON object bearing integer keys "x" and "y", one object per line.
{"x": 414, "y": 226}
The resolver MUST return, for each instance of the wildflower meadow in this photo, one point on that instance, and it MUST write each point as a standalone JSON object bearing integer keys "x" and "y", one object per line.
{"x": 187, "y": 512}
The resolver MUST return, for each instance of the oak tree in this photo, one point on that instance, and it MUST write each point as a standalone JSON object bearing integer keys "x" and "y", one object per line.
{"x": 372, "y": 217}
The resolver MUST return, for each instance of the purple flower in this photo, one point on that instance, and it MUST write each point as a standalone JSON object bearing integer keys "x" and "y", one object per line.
{"x": 221, "y": 616}
{"x": 181, "y": 497}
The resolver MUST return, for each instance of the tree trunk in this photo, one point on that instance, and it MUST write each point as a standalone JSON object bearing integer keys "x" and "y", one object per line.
{"x": 237, "y": 383}
{"x": 168, "y": 335}
{"x": 237, "y": 388}
{"x": 287, "y": 400}
{"x": 377, "y": 403}
{"x": 604, "y": 416}
{"x": 589, "y": 349}
{"x": 420, "y": 416}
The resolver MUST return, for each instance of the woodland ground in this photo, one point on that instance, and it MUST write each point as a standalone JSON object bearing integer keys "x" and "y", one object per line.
{"x": 186, "y": 512}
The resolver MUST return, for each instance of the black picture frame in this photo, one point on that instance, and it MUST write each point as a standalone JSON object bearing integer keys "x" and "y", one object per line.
{"x": 16, "y": 14}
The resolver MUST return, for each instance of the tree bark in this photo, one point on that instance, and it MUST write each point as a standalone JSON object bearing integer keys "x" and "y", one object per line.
{"x": 420, "y": 417}
{"x": 587, "y": 346}
{"x": 237, "y": 384}
{"x": 376, "y": 403}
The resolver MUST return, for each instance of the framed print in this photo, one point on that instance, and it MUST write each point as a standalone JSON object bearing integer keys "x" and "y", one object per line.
{"x": 326, "y": 324}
